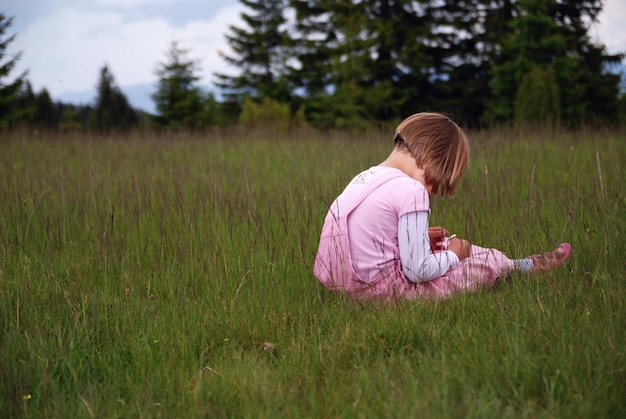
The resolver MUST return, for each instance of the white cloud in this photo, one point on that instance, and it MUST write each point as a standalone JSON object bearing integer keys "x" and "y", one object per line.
{"x": 206, "y": 40}
{"x": 131, "y": 4}
{"x": 65, "y": 51}
{"x": 611, "y": 28}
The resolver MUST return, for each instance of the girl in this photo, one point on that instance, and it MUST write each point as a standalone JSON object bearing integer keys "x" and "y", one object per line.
{"x": 376, "y": 242}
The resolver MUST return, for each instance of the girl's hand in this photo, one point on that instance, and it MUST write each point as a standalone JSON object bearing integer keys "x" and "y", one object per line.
{"x": 462, "y": 248}
{"x": 437, "y": 236}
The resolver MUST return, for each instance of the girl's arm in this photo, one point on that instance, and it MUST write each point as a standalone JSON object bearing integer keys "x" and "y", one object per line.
{"x": 419, "y": 263}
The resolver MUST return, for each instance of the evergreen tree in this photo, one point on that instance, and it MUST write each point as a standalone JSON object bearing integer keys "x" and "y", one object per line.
{"x": 314, "y": 42}
{"x": 37, "y": 111}
{"x": 216, "y": 113}
{"x": 374, "y": 66}
{"x": 179, "y": 101}
{"x": 349, "y": 62}
{"x": 329, "y": 73}
{"x": 363, "y": 60}
{"x": 112, "y": 111}
{"x": 554, "y": 33}
{"x": 383, "y": 59}
{"x": 8, "y": 89}
{"x": 71, "y": 120}
{"x": 463, "y": 36}
{"x": 267, "y": 114}
{"x": 24, "y": 104}
{"x": 538, "y": 98}
{"x": 45, "y": 115}
{"x": 260, "y": 53}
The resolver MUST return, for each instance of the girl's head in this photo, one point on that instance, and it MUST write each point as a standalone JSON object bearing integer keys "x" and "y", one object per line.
{"x": 438, "y": 146}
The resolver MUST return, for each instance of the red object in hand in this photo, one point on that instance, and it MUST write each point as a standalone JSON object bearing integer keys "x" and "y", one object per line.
{"x": 437, "y": 236}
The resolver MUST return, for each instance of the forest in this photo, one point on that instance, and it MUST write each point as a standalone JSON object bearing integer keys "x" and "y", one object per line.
{"x": 345, "y": 64}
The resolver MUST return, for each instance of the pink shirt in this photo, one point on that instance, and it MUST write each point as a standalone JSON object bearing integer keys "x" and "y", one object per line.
{"x": 373, "y": 225}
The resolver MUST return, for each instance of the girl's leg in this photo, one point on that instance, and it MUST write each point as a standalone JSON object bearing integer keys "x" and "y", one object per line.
{"x": 481, "y": 270}
{"x": 485, "y": 267}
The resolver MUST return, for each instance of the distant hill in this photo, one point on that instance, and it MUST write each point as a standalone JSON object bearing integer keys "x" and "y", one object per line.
{"x": 139, "y": 96}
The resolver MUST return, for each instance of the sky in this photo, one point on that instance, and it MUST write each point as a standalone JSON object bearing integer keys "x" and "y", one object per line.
{"x": 65, "y": 43}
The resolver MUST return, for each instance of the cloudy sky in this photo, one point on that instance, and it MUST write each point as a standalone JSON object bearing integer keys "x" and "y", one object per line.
{"x": 65, "y": 43}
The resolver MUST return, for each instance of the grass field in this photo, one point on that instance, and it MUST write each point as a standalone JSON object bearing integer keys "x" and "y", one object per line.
{"x": 172, "y": 277}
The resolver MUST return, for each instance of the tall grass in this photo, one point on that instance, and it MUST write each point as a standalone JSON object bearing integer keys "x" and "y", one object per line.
{"x": 171, "y": 277}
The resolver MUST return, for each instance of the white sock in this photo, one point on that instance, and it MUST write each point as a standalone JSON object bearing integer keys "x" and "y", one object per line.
{"x": 523, "y": 265}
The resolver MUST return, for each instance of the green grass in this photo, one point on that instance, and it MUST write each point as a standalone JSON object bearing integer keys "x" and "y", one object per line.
{"x": 172, "y": 277}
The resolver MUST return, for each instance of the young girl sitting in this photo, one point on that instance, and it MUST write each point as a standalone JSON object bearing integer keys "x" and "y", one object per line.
{"x": 376, "y": 242}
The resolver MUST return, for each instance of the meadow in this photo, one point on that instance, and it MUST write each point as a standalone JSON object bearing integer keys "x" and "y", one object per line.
{"x": 171, "y": 276}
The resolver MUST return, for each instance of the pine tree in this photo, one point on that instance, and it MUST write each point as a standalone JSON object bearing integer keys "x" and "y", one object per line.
{"x": 8, "y": 89}
{"x": 24, "y": 104}
{"x": 348, "y": 62}
{"x": 70, "y": 118}
{"x": 457, "y": 46}
{"x": 362, "y": 60}
{"x": 112, "y": 111}
{"x": 46, "y": 114}
{"x": 179, "y": 101}
{"x": 260, "y": 54}
{"x": 37, "y": 111}
{"x": 384, "y": 59}
{"x": 538, "y": 98}
{"x": 555, "y": 33}
{"x": 329, "y": 72}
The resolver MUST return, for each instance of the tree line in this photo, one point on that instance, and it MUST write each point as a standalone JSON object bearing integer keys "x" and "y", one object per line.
{"x": 346, "y": 63}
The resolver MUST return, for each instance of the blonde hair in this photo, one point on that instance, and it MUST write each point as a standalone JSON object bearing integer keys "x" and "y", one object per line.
{"x": 438, "y": 145}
